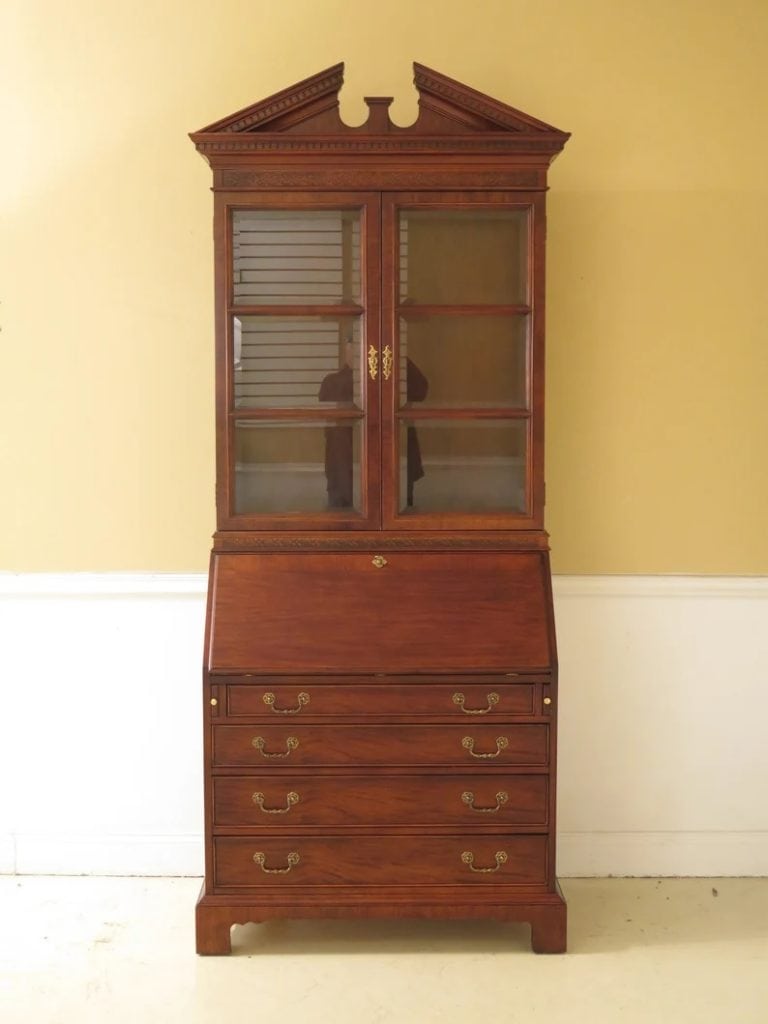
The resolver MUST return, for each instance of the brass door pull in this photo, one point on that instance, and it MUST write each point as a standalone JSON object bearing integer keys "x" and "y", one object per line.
{"x": 386, "y": 362}
{"x": 269, "y": 700}
{"x": 469, "y": 799}
{"x": 373, "y": 362}
{"x": 501, "y": 744}
{"x": 468, "y": 858}
{"x": 259, "y": 743}
{"x": 291, "y": 800}
{"x": 292, "y": 858}
{"x": 492, "y": 698}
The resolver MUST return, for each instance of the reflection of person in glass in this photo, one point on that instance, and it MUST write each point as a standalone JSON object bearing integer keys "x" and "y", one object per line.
{"x": 339, "y": 458}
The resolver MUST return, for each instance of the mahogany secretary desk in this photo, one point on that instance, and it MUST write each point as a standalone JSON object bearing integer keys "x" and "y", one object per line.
{"x": 380, "y": 668}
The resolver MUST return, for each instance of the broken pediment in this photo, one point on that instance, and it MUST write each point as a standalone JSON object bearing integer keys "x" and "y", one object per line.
{"x": 446, "y": 108}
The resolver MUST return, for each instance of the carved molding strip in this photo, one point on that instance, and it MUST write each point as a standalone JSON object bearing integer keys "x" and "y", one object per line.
{"x": 488, "y": 110}
{"x": 383, "y": 178}
{"x": 481, "y": 143}
{"x": 465, "y": 98}
{"x": 281, "y": 106}
{"x": 289, "y": 99}
{"x": 254, "y": 542}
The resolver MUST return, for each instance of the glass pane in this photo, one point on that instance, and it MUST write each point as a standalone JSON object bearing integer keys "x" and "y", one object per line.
{"x": 462, "y": 465}
{"x": 463, "y": 361}
{"x": 294, "y": 361}
{"x": 296, "y": 467}
{"x": 464, "y": 256}
{"x": 296, "y": 257}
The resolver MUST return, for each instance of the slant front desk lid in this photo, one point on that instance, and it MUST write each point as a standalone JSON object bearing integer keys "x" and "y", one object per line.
{"x": 354, "y": 612}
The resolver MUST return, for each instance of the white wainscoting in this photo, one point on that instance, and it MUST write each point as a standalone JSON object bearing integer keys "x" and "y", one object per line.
{"x": 663, "y": 711}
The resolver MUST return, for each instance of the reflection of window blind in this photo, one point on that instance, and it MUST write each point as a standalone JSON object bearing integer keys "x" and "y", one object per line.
{"x": 286, "y": 258}
{"x": 293, "y": 258}
{"x": 282, "y": 362}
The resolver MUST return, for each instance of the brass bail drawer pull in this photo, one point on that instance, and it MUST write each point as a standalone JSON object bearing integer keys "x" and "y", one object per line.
{"x": 469, "y": 799}
{"x": 269, "y": 700}
{"x": 292, "y": 858}
{"x": 469, "y": 859}
{"x": 259, "y": 743}
{"x": 386, "y": 362}
{"x": 291, "y": 800}
{"x": 501, "y": 744}
{"x": 492, "y": 698}
{"x": 373, "y": 362}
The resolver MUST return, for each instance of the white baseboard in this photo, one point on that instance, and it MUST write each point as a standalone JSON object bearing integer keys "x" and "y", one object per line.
{"x": 107, "y": 855}
{"x": 662, "y": 753}
{"x": 101, "y": 584}
{"x": 662, "y": 854}
{"x": 7, "y": 855}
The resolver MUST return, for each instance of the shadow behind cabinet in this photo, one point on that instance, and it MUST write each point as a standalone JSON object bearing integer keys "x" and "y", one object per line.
{"x": 380, "y": 665}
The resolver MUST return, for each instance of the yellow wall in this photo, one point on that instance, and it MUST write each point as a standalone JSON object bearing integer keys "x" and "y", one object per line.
{"x": 658, "y": 260}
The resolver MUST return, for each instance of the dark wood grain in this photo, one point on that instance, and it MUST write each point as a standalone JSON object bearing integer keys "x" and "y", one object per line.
{"x": 491, "y": 700}
{"x": 375, "y": 801}
{"x": 381, "y": 860}
{"x": 461, "y": 540}
{"x": 380, "y": 745}
{"x": 431, "y": 612}
{"x": 463, "y": 604}
{"x": 545, "y": 911}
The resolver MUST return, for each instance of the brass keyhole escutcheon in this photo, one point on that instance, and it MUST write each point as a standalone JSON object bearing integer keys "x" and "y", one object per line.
{"x": 373, "y": 363}
{"x": 379, "y": 561}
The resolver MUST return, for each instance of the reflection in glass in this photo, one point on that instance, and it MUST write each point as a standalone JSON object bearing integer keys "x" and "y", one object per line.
{"x": 283, "y": 467}
{"x": 464, "y": 256}
{"x": 296, "y": 257}
{"x": 284, "y": 361}
{"x": 471, "y": 361}
{"x": 464, "y": 466}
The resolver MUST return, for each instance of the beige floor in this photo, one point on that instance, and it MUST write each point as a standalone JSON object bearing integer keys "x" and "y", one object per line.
{"x": 114, "y": 950}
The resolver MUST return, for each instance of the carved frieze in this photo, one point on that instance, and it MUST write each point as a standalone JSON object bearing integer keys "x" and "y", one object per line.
{"x": 385, "y": 178}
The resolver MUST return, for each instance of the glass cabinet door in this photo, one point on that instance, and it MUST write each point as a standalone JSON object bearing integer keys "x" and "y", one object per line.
{"x": 302, "y": 404}
{"x": 458, "y": 310}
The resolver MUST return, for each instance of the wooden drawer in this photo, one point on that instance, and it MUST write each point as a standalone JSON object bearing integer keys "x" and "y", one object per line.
{"x": 302, "y": 800}
{"x": 284, "y": 746}
{"x": 380, "y": 860}
{"x": 457, "y": 611}
{"x": 276, "y": 699}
